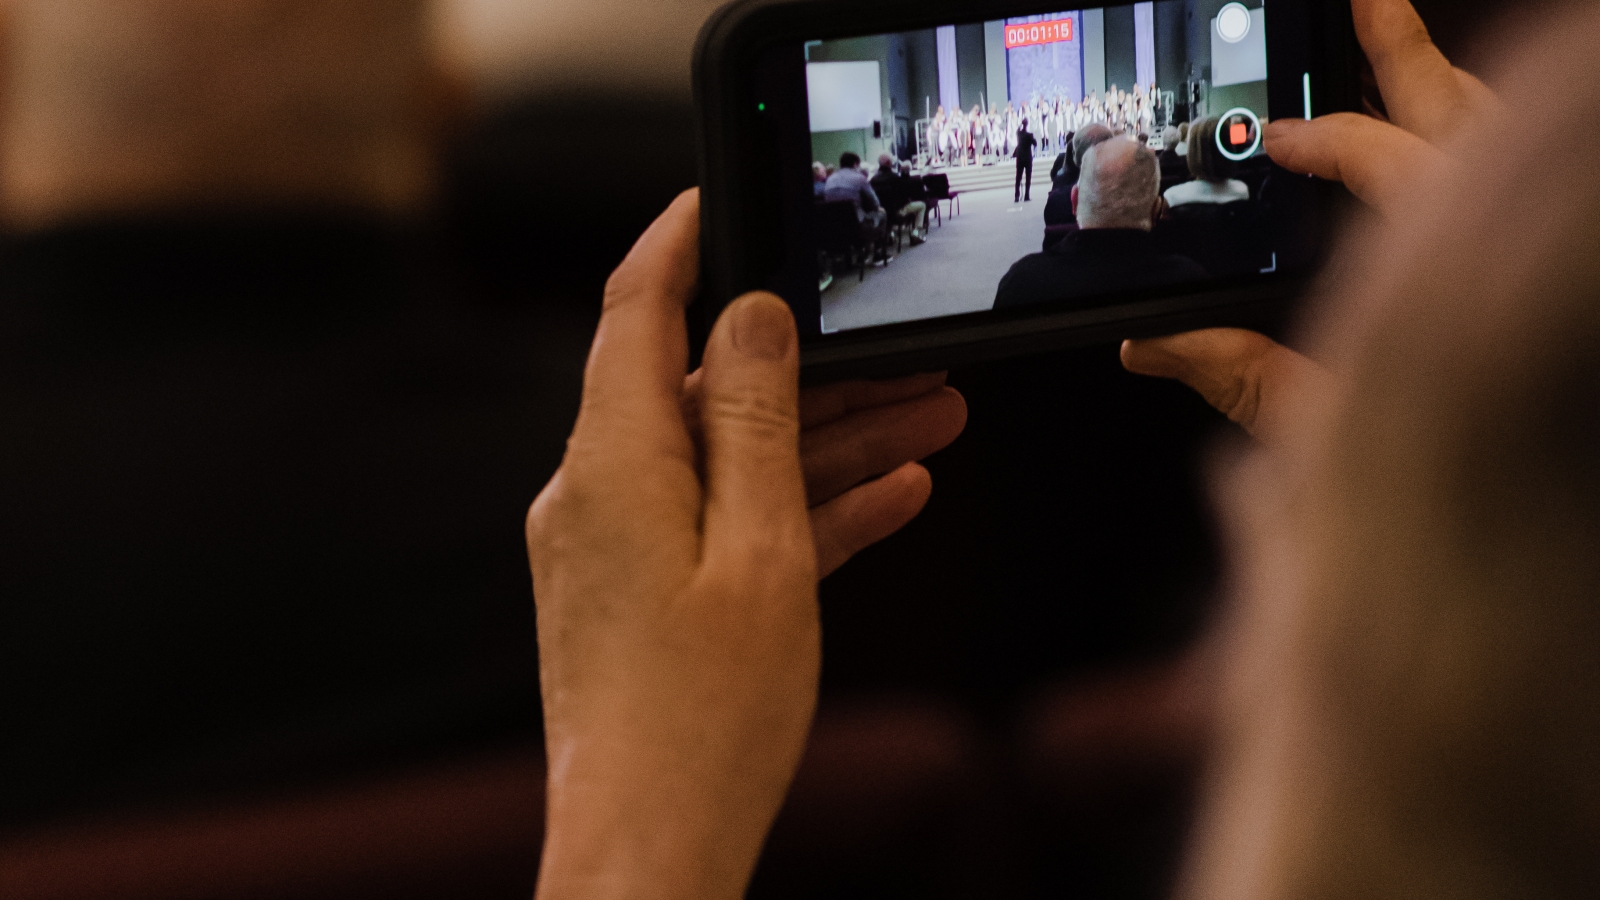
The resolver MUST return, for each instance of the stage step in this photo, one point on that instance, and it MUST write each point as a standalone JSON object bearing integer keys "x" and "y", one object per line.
{"x": 996, "y": 176}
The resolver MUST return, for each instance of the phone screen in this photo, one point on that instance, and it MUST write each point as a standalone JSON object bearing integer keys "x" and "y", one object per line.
{"x": 1065, "y": 161}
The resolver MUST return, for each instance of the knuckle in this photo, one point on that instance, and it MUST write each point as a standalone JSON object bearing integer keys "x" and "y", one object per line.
{"x": 755, "y": 413}
{"x": 621, "y": 287}
{"x": 546, "y": 513}
{"x": 1245, "y": 400}
{"x": 556, "y": 513}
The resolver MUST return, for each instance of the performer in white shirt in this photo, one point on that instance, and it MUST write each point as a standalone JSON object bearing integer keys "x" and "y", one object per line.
{"x": 1047, "y": 124}
{"x": 1013, "y": 123}
{"x": 980, "y": 125}
{"x": 963, "y": 141}
{"x": 997, "y": 132}
{"x": 939, "y": 137}
{"x": 952, "y": 130}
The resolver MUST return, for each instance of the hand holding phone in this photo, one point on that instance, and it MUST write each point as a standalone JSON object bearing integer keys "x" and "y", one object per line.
{"x": 1256, "y": 382}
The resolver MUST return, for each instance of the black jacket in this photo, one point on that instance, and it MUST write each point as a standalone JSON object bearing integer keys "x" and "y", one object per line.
{"x": 1025, "y": 145}
{"x": 1091, "y": 267}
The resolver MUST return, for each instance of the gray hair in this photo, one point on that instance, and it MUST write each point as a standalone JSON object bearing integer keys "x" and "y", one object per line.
{"x": 1090, "y": 135}
{"x": 1118, "y": 188}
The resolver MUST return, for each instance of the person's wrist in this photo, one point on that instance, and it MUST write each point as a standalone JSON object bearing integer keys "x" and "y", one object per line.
{"x": 613, "y": 828}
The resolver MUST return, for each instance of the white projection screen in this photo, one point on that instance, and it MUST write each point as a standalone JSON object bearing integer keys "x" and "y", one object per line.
{"x": 1243, "y": 62}
{"x": 844, "y": 95}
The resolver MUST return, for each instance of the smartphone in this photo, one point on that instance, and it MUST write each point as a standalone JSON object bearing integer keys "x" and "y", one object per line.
{"x": 931, "y": 183}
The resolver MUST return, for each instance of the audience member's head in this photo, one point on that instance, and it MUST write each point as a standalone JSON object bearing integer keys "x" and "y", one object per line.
{"x": 848, "y": 160}
{"x": 1183, "y": 132}
{"x": 1206, "y": 162}
{"x": 1119, "y": 187}
{"x": 1421, "y": 683}
{"x": 119, "y": 106}
{"x": 885, "y": 163}
{"x": 1087, "y": 138}
{"x": 819, "y": 172}
{"x": 1170, "y": 137}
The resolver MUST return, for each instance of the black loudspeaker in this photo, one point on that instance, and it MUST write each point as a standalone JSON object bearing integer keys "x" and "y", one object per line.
{"x": 877, "y": 131}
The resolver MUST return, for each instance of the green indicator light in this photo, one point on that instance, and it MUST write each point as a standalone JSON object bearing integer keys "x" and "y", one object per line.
{"x": 761, "y": 107}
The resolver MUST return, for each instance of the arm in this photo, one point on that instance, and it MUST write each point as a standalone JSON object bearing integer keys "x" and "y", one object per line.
{"x": 869, "y": 198}
{"x": 675, "y": 557}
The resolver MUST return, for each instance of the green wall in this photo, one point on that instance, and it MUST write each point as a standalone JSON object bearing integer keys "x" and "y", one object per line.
{"x": 826, "y": 146}
{"x": 1251, "y": 95}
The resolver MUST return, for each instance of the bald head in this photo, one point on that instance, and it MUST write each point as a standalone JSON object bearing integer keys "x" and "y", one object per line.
{"x": 1119, "y": 187}
{"x": 116, "y": 106}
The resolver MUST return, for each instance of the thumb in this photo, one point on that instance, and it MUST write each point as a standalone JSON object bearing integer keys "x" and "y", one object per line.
{"x": 1253, "y": 380}
{"x": 750, "y": 415}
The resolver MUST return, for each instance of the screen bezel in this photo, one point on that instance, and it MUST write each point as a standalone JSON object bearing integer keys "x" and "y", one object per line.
{"x": 750, "y": 190}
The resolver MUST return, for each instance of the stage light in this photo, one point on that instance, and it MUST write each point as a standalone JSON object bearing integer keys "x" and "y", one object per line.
{"x": 1233, "y": 23}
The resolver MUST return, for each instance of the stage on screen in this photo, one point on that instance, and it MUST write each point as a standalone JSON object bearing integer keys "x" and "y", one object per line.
{"x": 1058, "y": 159}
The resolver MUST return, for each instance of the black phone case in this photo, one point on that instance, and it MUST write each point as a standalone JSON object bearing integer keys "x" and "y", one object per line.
{"x": 731, "y": 44}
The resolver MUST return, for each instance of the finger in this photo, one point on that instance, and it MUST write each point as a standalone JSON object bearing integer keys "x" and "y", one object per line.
{"x": 821, "y": 405}
{"x": 1253, "y": 380}
{"x": 1419, "y": 85}
{"x": 842, "y": 454}
{"x": 750, "y": 419}
{"x": 1381, "y": 164}
{"x": 866, "y": 515}
{"x": 640, "y": 351}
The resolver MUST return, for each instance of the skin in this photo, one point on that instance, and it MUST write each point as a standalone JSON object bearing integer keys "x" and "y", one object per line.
{"x": 684, "y": 533}
{"x": 675, "y": 554}
{"x": 1253, "y": 380}
{"x": 1113, "y": 157}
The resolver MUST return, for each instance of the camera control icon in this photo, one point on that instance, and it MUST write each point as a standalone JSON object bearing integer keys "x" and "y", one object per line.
{"x": 1238, "y": 134}
{"x": 1233, "y": 23}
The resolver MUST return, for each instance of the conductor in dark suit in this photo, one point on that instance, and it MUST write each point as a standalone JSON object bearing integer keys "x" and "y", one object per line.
{"x": 1024, "y": 154}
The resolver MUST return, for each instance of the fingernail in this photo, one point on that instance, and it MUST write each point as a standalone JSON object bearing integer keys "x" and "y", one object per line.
{"x": 761, "y": 328}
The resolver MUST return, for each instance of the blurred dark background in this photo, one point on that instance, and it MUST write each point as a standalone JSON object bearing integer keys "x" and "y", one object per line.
{"x": 1014, "y": 690}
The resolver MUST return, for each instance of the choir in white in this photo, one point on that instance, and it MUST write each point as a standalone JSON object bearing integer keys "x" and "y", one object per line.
{"x": 974, "y": 138}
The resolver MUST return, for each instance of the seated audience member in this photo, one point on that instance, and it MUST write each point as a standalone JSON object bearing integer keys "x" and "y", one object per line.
{"x": 1059, "y": 207}
{"x": 1209, "y": 169}
{"x": 1183, "y": 139}
{"x": 894, "y": 192}
{"x": 1173, "y": 165}
{"x": 850, "y": 183}
{"x": 1063, "y": 170}
{"x": 1116, "y": 202}
{"x": 819, "y": 179}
